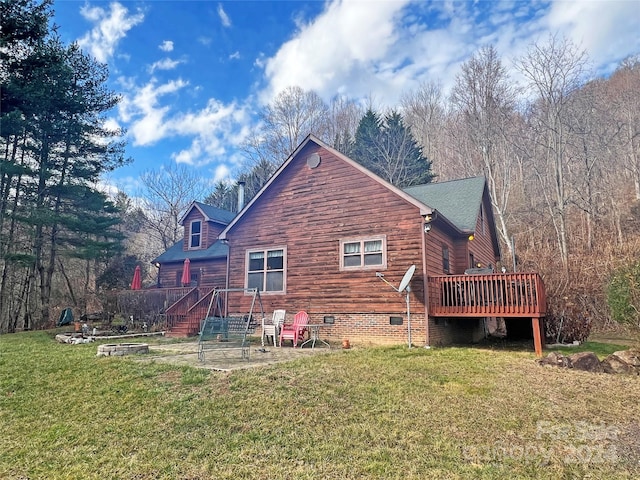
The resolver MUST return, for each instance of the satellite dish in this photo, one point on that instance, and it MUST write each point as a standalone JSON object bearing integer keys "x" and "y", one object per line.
{"x": 404, "y": 287}
{"x": 404, "y": 283}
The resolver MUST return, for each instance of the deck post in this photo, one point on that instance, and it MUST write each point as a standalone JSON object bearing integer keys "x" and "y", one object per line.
{"x": 537, "y": 337}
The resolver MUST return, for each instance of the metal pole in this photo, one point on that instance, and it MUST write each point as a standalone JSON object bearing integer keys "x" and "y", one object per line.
{"x": 408, "y": 317}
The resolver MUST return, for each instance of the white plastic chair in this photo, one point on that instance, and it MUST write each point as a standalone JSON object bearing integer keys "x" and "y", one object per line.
{"x": 272, "y": 328}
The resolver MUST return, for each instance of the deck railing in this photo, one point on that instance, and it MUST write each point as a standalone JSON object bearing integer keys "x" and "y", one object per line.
{"x": 192, "y": 305}
{"x": 493, "y": 295}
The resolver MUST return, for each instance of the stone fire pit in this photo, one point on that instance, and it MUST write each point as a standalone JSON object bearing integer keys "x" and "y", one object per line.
{"x": 120, "y": 349}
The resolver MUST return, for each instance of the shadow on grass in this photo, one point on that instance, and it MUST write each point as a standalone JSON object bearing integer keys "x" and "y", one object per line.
{"x": 601, "y": 349}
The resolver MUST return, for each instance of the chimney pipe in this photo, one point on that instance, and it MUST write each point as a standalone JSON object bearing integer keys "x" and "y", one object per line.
{"x": 240, "y": 196}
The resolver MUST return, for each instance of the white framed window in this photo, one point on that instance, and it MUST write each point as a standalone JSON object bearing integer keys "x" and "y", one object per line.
{"x": 195, "y": 234}
{"x": 266, "y": 269}
{"x": 368, "y": 253}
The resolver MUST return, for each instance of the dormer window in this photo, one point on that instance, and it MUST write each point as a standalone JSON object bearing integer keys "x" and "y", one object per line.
{"x": 195, "y": 235}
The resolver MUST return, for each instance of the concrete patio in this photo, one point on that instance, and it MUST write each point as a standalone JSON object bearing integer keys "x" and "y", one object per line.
{"x": 186, "y": 353}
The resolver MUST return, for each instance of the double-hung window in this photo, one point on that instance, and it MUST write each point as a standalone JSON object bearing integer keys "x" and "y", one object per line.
{"x": 445, "y": 259}
{"x": 364, "y": 253}
{"x": 266, "y": 269}
{"x": 195, "y": 234}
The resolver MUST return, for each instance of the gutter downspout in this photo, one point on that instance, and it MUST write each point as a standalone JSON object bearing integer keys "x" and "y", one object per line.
{"x": 226, "y": 280}
{"x": 425, "y": 286}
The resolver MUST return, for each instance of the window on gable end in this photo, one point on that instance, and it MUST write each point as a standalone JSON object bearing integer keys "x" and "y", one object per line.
{"x": 363, "y": 254}
{"x": 195, "y": 235}
{"x": 266, "y": 270}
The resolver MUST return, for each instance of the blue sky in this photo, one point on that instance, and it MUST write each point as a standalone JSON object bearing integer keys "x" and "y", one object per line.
{"x": 193, "y": 74}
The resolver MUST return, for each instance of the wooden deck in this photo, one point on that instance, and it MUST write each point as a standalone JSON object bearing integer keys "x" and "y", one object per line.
{"x": 511, "y": 295}
{"x": 506, "y": 295}
{"x": 495, "y": 295}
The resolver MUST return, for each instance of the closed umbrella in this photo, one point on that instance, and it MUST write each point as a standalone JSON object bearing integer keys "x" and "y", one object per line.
{"x": 136, "y": 283}
{"x": 186, "y": 273}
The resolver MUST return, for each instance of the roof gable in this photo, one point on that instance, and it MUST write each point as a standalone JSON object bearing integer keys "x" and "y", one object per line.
{"x": 210, "y": 213}
{"x": 458, "y": 201}
{"x": 424, "y": 209}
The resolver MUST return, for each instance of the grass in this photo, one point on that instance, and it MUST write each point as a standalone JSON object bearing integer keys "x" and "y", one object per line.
{"x": 369, "y": 413}
{"x": 600, "y": 349}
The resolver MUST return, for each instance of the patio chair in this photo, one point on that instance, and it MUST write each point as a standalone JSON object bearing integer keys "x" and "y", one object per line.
{"x": 271, "y": 328}
{"x": 295, "y": 331}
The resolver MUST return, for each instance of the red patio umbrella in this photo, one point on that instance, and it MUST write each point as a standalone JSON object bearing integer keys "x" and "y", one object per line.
{"x": 186, "y": 273}
{"x": 136, "y": 283}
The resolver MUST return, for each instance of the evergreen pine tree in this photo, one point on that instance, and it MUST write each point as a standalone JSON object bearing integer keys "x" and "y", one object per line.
{"x": 388, "y": 149}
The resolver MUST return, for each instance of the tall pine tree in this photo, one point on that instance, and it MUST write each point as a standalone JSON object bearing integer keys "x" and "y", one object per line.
{"x": 387, "y": 148}
{"x": 55, "y": 147}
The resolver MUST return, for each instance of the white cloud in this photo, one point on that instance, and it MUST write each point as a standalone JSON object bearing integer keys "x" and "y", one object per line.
{"x": 222, "y": 173}
{"x": 111, "y": 124}
{"x": 213, "y": 132}
{"x": 105, "y": 186}
{"x": 109, "y": 28}
{"x": 215, "y": 129}
{"x": 166, "y": 46}
{"x": 380, "y": 49}
{"x": 224, "y": 18}
{"x": 164, "y": 64}
{"x": 142, "y": 110}
{"x": 341, "y": 46}
{"x": 607, "y": 30}
{"x": 363, "y": 50}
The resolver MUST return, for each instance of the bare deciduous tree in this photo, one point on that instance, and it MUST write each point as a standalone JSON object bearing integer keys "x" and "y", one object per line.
{"x": 292, "y": 115}
{"x": 424, "y": 113}
{"x": 626, "y": 102}
{"x": 553, "y": 71}
{"x": 344, "y": 117}
{"x": 484, "y": 99}
{"x": 166, "y": 194}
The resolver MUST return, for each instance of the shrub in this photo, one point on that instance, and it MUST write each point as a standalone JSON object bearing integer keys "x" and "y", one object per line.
{"x": 567, "y": 322}
{"x": 623, "y": 295}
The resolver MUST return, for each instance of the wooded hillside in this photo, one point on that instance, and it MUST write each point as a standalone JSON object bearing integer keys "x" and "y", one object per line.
{"x": 558, "y": 144}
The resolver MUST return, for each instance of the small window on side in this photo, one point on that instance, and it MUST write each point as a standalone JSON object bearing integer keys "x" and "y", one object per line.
{"x": 445, "y": 259}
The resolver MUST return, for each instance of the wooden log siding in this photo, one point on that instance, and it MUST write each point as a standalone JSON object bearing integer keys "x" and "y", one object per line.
{"x": 213, "y": 272}
{"x": 496, "y": 295}
{"x": 208, "y": 233}
{"x": 309, "y": 211}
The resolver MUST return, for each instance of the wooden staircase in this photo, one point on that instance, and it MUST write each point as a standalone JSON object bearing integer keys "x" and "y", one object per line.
{"x": 185, "y": 315}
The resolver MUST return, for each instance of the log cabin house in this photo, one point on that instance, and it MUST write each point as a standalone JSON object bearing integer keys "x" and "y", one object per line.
{"x": 328, "y": 236}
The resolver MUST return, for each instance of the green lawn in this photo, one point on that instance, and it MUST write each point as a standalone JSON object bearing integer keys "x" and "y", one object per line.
{"x": 363, "y": 413}
{"x": 600, "y": 349}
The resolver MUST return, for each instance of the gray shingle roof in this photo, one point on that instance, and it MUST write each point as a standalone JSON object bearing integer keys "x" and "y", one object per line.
{"x": 216, "y": 214}
{"x": 175, "y": 253}
{"x": 458, "y": 200}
